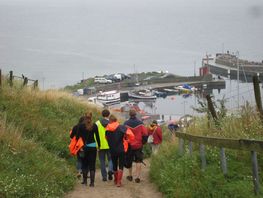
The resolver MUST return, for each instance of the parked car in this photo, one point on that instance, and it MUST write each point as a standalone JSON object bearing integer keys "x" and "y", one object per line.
{"x": 102, "y": 80}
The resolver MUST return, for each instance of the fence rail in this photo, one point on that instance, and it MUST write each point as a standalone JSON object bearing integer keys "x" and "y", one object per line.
{"x": 239, "y": 144}
{"x": 253, "y": 146}
{"x": 12, "y": 77}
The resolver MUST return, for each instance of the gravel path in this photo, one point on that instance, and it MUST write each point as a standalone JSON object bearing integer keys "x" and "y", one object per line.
{"x": 107, "y": 189}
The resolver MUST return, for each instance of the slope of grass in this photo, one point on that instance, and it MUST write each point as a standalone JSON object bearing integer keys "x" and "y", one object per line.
{"x": 181, "y": 176}
{"x": 34, "y": 138}
{"x": 45, "y": 117}
{"x": 28, "y": 169}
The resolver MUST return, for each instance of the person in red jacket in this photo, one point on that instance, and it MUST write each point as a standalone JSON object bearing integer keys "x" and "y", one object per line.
{"x": 155, "y": 134}
{"x": 135, "y": 148}
{"x": 118, "y": 137}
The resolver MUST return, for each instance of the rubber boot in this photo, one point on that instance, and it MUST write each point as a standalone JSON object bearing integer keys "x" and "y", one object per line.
{"x": 84, "y": 177}
{"x": 120, "y": 173}
{"x": 92, "y": 178}
{"x": 115, "y": 177}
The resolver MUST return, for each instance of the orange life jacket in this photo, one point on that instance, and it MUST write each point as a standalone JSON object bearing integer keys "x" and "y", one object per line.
{"x": 75, "y": 145}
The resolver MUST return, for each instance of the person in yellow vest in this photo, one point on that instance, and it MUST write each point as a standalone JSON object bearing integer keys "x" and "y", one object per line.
{"x": 104, "y": 146}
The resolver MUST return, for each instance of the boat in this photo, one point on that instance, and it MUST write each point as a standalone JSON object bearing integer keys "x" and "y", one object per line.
{"x": 185, "y": 88}
{"x": 109, "y": 97}
{"x": 159, "y": 94}
{"x": 93, "y": 100}
{"x": 170, "y": 91}
{"x": 142, "y": 96}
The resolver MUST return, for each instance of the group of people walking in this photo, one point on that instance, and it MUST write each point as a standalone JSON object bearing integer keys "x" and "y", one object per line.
{"x": 121, "y": 144}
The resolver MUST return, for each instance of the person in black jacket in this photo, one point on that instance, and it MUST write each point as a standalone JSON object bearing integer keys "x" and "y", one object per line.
{"x": 87, "y": 132}
{"x": 73, "y": 133}
{"x": 118, "y": 137}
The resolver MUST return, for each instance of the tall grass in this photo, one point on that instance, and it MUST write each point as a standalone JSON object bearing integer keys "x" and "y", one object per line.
{"x": 34, "y": 138}
{"x": 28, "y": 169}
{"x": 181, "y": 176}
{"x": 45, "y": 117}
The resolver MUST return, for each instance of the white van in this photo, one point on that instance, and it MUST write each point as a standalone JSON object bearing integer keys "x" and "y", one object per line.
{"x": 102, "y": 80}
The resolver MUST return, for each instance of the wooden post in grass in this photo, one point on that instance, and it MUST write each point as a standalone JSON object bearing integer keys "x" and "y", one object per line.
{"x": 11, "y": 78}
{"x": 25, "y": 81}
{"x": 35, "y": 84}
{"x": 211, "y": 107}
{"x": 0, "y": 78}
{"x": 255, "y": 172}
{"x": 181, "y": 146}
{"x": 258, "y": 96}
{"x": 202, "y": 155}
{"x": 191, "y": 148}
{"x": 223, "y": 160}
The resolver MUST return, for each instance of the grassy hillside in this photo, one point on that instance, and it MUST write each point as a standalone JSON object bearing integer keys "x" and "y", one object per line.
{"x": 181, "y": 176}
{"x": 34, "y": 136}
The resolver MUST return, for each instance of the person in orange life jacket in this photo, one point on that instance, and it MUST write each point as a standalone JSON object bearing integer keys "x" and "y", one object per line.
{"x": 104, "y": 147}
{"x": 87, "y": 131}
{"x": 118, "y": 137}
{"x": 73, "y": 133}
{"x": 135, "y": 148}
{"x": 156, "y": 132}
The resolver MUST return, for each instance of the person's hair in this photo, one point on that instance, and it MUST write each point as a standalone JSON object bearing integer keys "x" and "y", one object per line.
{"x": 105, "y": 113}
{"x": 132, "y": 113}
{"x": 88, "y": 120}
{"x": 112, "y": 118}
{"x": 154, "y": 122}
{"x": 81, "y": 119}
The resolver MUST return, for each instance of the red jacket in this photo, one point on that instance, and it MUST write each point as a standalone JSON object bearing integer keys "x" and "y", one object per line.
{"x": 139, "y": 131}
{"x": 156, "y": 132}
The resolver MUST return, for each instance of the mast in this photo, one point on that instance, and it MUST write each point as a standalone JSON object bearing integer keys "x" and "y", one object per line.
{"x": 237, "y": 54}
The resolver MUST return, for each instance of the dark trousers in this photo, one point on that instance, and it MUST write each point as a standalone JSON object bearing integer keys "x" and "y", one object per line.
{"x": 117, "y": 160}
{"x": 89, "y": 159}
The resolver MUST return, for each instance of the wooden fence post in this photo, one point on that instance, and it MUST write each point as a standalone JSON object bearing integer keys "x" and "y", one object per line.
{"x": 0, "y": 78}
{"x": 202, "y": 155}
{"x": 223, "y": 160}
{"x": 211, "y": 107}
{"x": 11, "y": 78}
{"x": 255, "y": 172}
{"x": 35, "y": 84}
{"x": 258, "y": 96}
{"x": 190, "y": 148}
{"x": 25, "y": 81}
{"x": 181, "y": 146}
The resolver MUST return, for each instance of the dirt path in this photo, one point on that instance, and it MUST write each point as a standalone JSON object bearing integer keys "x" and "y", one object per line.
{"x": 144, "y": 189}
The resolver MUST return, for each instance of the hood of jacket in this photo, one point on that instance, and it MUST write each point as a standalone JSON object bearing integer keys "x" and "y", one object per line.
{"x": 112, "y": 126}
{"x": 104, "y": 122}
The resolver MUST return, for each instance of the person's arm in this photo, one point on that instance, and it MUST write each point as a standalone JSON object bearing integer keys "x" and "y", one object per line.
{"x": 144, "y": 134}
{"x": 97, "y": 134}
{"x": 73, "y": 132}
{"x": 159, "y": 133}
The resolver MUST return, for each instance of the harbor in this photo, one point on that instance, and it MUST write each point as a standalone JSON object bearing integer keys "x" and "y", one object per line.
{"x": 164, "y": 101}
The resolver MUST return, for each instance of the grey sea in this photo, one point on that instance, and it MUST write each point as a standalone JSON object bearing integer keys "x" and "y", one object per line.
{"x": 60, "y": 42}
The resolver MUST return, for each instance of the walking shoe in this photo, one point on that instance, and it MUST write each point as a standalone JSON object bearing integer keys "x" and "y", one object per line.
{"x": 79, "y": 175}
{"x": 137, "y": 180}
{"x": 104, "y": 179}
{"x": 129, "y": 178}
{"x": 110, "y": 173}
